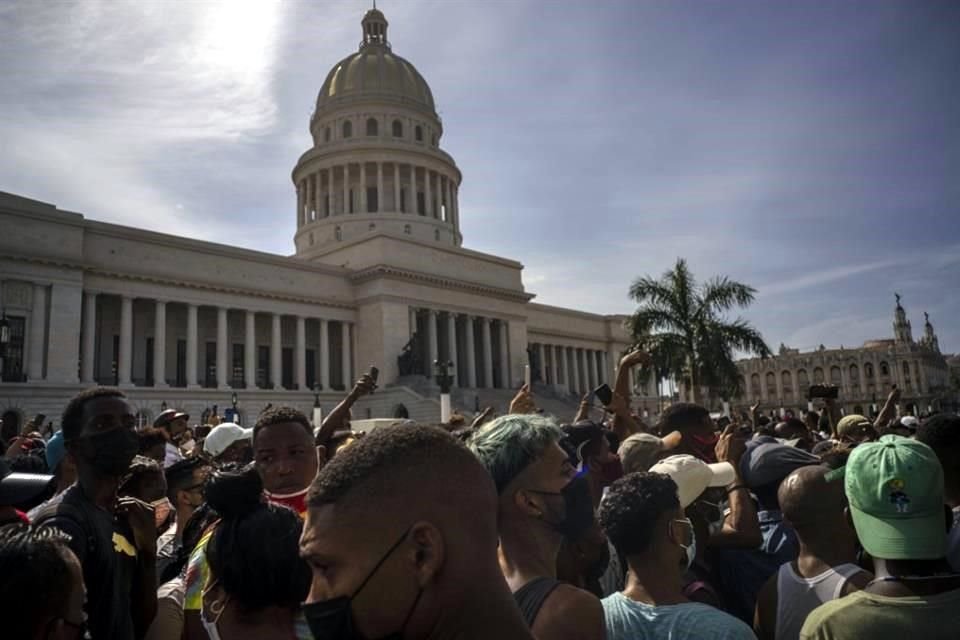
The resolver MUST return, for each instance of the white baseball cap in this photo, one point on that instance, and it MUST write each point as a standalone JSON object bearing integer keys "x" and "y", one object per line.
{"x": 223, "y": 435}
{"x": 693, "y": 475}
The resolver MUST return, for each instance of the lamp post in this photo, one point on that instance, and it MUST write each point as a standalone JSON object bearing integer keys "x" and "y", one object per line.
{"x": 444, "y": 380}
{"x": 233, "y": 401}
{"x": 163, "y": 406}
{"x": 317, "y": 411}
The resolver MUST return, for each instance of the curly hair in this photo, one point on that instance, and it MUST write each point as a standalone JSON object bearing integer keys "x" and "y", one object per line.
{"x": 33, "y": 562}
{"x": 71, "y": 422}
{"x": 941, "y": 433}
{"x": 509, "y": 444}
{"x": 632, "y": 507}
{"x": 278, "y": 415}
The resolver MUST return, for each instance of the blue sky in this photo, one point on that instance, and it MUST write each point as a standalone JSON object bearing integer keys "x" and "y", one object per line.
{"x": 811, "y": 149}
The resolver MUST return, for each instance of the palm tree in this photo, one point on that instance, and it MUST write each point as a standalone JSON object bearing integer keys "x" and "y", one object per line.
{"x": 681, "y": 324}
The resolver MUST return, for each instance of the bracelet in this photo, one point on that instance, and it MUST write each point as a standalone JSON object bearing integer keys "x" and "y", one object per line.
{"x": 736, "y": 487}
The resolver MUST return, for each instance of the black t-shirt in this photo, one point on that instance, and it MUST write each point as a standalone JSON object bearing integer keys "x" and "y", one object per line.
{"x": 105, "y": 548}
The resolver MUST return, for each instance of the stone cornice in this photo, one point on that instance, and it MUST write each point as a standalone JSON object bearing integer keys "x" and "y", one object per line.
{"x": 546, "y": 308}
{"x": 199, "y": 285}
{"x": 396, "y": 273}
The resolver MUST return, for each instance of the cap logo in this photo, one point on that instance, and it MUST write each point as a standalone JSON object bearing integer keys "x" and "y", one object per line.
{"x": 899, "y": 499}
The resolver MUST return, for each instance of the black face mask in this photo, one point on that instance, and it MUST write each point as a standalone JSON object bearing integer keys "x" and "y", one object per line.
{"x": 333, "y": 619}
{"x": 110, "y": 452}
{"x": 578, "y": 509}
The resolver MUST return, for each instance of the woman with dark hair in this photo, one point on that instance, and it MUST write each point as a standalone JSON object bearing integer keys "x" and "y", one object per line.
{"x": 257, "y": 580}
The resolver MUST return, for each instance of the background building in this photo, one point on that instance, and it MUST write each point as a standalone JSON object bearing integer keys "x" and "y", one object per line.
{"x": 379, "y": 272}
{"x": 865, "y": 375}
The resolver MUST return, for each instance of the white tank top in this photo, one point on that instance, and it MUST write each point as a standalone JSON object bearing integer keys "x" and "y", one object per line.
{"x": 798, "y": 596}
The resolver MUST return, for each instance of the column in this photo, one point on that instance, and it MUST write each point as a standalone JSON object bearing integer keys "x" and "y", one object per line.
{"x": 38, "y": 326}
{"x": 433, "y": 353}
{"x": 380, "y": 206}
{"x": 438, "y": 201}
{"x": 456, "y": 205}
{"x": 427, "y": 197}
{"x": 413, "y": 321}
{"x": 318, "y": 194}
{"x": 250, "y": 350}
{"x": 276, "y": 353}
{"x": 300, "y": 197}
{"x": 487, "y": 352}
{"x": 448, "y": 194}
{"x": 575, "y": 367}
{"x": 471, "y": 352}
{"x": 89, "y": 336}
{"x": 396, "y": 187}
{"x": 301, "y": 357}
{"x": 591, "y": 376}
{"x": 542, "y": 362}
{"x": 125, "y": 357}
{"x": 505, "y": 381}
{"x": 346, "y": 189}
{"x": 160, "y": 344}
{"x": 452, "y": 345}
{"x": 324, "y": 364}
{"x": 556, "y": 364}
{"x": 363, "y": 187}
{"x": 192, "y": 346}
{"x": 222, "y": 348}
{"x": 345, "y": 342}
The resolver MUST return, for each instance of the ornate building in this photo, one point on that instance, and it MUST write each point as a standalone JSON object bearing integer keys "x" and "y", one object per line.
{"x": 864, "y": 375}
{"x": 380, "y": 277}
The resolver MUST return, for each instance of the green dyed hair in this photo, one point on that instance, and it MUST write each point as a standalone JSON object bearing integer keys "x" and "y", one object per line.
{"x": 509, "y": 444}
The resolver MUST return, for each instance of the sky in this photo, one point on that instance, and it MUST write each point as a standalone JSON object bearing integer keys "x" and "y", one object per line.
{"x": 809, "y": 149}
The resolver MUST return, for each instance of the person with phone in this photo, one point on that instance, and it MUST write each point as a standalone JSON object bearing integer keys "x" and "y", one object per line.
{"x": 339, "y": 418}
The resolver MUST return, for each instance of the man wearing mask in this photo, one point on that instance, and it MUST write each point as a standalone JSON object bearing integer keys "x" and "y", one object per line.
{"x": 114, "y": 539}
{"x": 699, "y": 435}
{"x": 185, "y": 481}
{"x": 175, "y": 424}
{"x": 643, "y": 517}
{"x": 541, "y": 502}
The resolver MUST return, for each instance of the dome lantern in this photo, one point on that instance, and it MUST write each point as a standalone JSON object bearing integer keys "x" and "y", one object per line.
{"x": 374, "y": 25}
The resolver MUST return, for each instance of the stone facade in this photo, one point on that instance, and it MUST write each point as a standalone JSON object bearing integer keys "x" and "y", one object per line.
{"x": 379, "y": 266}
{"x": 864, "y": 375}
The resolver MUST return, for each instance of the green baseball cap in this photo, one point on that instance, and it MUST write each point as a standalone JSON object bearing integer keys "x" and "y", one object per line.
{"x": 895, "y": 490}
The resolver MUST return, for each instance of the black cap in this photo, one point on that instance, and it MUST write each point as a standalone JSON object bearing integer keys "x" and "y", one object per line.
{"x": 20, "y": 488}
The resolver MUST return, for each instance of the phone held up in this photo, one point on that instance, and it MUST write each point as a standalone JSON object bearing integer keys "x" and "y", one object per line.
{"x": 604, "y": 394}
{"x": 826, "y": 391}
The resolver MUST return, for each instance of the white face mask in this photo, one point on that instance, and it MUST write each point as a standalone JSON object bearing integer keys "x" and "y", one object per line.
{"x": 690, "y": 549}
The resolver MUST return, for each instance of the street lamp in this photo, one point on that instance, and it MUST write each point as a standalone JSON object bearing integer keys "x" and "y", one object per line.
{"x": 233, "y": 401}
{"x": 444, "y": 380}
{"x": 4, "y": 340}
{"x": 163, "y": 406}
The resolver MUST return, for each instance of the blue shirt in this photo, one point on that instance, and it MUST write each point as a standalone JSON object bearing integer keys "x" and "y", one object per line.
{"x": 740, "y": 573}
{"x": 630, "y": 620}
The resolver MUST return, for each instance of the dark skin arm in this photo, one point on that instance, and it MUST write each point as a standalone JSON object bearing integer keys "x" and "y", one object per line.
{"x": 627, "y": 363}
{"x": 623, "y": 423}
{"x": 143, "y": 597}
{"x": 889, "y": 411}
{"x": 833, "y": 415}
{"x": 583, "y": 412}
{"x": 570, "y": 614}
{"x": 337, "y": 418}
{"x": 741, "y": 528}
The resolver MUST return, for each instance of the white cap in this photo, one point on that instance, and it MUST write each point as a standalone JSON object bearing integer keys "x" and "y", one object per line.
{"x": 223, "y": 435}
{"x": 693, "y": 475}
{"x": 909, "y": 422}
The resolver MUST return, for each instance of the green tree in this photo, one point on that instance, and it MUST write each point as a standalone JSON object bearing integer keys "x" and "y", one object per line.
{"x": 681, "y": 324}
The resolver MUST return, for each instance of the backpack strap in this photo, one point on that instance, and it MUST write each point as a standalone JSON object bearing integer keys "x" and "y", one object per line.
{"x": 70, "y": 512}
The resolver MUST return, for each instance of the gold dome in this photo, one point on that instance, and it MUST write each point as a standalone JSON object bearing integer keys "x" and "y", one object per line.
{"x": 375, "y": 72}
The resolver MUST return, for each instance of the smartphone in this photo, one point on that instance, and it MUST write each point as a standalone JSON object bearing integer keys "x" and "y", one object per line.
{"x": 604, "y": 394}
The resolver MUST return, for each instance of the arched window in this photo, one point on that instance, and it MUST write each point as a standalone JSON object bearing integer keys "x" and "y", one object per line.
{"x": 787, "y": 381}
{"x": 818, "y": 376}
{"x": 755, "y": 384}
{"x": 836, "y": 378}
{"x": 771, "y": 384}
{"x": 418, "y": 133}
{"x": 803, "y": 381}
{"x": 397, "y": 129}
{"x": 855, "y": 377}
{"x": 347, "y": 129}
{"x": 372, "y": 126}
{"x": 338, "y": 233}
{"x": 868, "y": 370}
{"x": 884, "y": 369}
{"x": 326, "y": 134}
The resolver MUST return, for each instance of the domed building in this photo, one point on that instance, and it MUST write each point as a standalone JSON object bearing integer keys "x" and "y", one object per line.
{"x": 380, "y": 277}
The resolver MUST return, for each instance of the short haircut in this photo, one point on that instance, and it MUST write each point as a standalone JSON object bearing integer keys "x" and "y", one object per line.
{"x": 941, "y": 433}
{"x": 383, "y": 454}
{"x": 140, "y": 467}
{"x": 71, "y": 420}
{"x": 151, "y": 437}
{"x": 254, "y": 574}
{"x": 632, "y": 507}
{"x": 681, "y": 416}
{"x": 509, "y": 444}
{"x": 28, "y": 463}
{"x": 279, "y": 415}
{"x": 180, "y": 474}
{"x": 36, "y": 582}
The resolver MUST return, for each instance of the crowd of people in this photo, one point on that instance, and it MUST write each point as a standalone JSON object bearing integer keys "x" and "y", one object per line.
{"x": 516, "y": 526}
